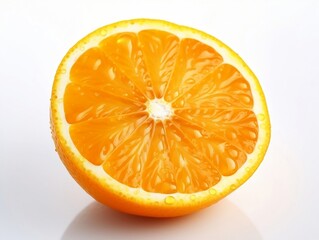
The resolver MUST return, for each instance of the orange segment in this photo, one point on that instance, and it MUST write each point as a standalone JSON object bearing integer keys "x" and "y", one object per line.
{"x": 92, "y": 103}
{"x": 160, "y": 50}
{"x": 124, "y": 51}
{"x": 94, "y": 70}
{"x": 96, "y": 139}
{"x": 238, "y": 127}
{"x": 222, "y": 153}
{"x": 195, "y": 60}
{"x": 223, "y": 88}
{"x": 194, "y": 171}
{"x": 159, "y": 173}
{"x": 126, "y": 163}
{"x": 156, "y": 119}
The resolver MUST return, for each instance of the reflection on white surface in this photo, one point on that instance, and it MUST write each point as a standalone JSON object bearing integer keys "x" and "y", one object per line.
{"x": 221, "y": 221}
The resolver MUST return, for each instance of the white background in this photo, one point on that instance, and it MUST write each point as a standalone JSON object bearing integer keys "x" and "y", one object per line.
{"x": 277, "y": 39}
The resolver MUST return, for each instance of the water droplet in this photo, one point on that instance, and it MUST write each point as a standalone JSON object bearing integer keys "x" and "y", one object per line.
{"x": 250, "y": 149}
{"x": 204, "y": 132}
{"x": 190, "y": 81}
{"x": 243, "y": 85}
{"x": 252, "y": 135}
{"x": 103, "y": 32}
{"x": 246, "y": 99}
{"x": 216, "y": 62}
{"x": 168, "y": 98}
{"x": 81, "y": 47}
{"x": 212, "y": 191}
{"x": 217, "y": 179}
{"x": 193, "y": 197}
{"x": 268, "y": 134}
{"x": 232, "y": 187}
{"x": 182, "y": 103}
{"x": 247, "y": 169}
{"x": 261, "y": 117}
{"x": 233, "y": 153}
{"x": 188, "y": 95}
{"x": 170, "y": 200}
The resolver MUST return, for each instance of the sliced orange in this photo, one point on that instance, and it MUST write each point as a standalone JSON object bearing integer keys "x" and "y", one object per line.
{"x": 157, "y": 119}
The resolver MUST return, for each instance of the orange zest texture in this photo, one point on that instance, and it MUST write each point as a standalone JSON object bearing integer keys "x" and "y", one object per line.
{"x": 157, "y": 119}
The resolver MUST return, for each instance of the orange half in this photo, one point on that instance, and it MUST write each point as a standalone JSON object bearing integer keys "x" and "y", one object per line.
{"x": 157, "y": 119}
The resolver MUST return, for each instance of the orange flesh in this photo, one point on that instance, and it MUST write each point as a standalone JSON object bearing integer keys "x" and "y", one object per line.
{"x": 208, "y": 136}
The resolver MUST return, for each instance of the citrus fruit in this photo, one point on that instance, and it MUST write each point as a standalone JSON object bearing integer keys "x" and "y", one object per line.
{"x": 157, "y": 119}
